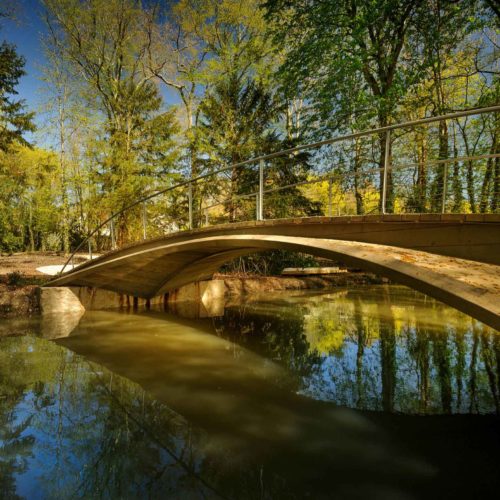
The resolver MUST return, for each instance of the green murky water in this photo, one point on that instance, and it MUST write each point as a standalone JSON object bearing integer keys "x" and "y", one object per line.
{"x": 371, "y": 392}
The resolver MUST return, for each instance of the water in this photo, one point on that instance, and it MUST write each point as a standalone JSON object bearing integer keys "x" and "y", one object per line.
{"x": 370, "y": 392}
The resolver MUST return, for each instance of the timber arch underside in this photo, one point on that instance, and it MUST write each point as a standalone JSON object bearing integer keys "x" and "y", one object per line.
{"x": 434, "y": 257}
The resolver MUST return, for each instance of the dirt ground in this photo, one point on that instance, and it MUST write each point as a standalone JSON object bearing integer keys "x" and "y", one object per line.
{"x": 27, "y": 263}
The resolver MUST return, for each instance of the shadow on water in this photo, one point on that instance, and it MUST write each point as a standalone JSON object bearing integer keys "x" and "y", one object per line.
{"x": 364, "y": 393}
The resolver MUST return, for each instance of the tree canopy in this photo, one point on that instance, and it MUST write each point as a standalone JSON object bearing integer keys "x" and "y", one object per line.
{"x": 140, "y": 95}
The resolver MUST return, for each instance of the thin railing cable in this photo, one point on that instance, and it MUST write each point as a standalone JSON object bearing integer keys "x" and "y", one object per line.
{"x": 341, "y": 176}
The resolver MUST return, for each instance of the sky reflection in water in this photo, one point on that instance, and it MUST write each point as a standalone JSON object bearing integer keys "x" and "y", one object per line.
{"x": 240, "y": 406}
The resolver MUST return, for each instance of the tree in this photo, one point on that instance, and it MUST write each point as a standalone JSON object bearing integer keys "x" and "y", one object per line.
{"x": 200, "y": 45}
{"x": 30, "y": 201}
{"x": 14, "y": 119}
{"x": 236, "y": 123}
{"x": 356, "y": 60}
{"x": 335, "y": 43}
{"x": 107, "y": 49}
{"x": 450, "y": 22}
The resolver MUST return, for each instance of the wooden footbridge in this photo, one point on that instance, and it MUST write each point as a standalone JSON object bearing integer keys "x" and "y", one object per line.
{"x": 451, "y": 256}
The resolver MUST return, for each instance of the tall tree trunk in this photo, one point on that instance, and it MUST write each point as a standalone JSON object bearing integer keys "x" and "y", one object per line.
{"x": 495, "y": 188}
{"x": 470, "y": 176}
{"x": 196, "y": 197}
{"x": 486, "y": 186}
{"x": 495, "y": 195}
{"x": 195, "y": 171}
{"x": 439, "y": 180}
{"x": 360, "y": 210}
{"x": 62, "y": 165}
{"x": 389, "y": 200}
{"x": 421, "y": 191}
{"x": 456, "y": 180}
{"x": 30, "y": 227}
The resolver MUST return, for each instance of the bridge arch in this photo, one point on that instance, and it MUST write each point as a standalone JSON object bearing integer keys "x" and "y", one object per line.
{"x": 158, "y": 266}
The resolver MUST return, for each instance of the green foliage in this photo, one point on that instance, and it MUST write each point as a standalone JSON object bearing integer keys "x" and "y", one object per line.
{"x": 238, "y": 121}
{"x": 251, "y": 80}
{"x": 14, "y": 120}
{"x": 355, "y": 61}
{"x": 29, "y": 198}
{"x": 107, "y": 48}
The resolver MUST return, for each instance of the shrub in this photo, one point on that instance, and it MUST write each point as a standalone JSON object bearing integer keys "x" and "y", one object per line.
{"x": 15, "y": 278}
{"x": 53, "y": 242}
{"x": 10, "y": 243}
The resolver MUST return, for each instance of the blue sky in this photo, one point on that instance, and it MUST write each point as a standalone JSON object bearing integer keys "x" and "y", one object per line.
{"x": 26, "y": 32}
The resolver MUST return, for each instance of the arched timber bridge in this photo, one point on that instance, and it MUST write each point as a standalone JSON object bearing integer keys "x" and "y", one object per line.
{"x": 451, "y": 256}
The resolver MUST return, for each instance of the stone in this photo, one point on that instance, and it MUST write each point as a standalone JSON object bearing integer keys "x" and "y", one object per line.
{"x": 59, "y": 299}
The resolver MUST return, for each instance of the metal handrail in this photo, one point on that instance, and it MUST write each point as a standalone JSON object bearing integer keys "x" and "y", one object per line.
{"x": 291, "y": 151}
{"x": 364, "y": 133}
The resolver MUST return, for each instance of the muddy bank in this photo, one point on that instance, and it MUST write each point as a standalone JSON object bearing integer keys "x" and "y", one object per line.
{"x": 18, "y": 301}
{"x": 259, "y": 284}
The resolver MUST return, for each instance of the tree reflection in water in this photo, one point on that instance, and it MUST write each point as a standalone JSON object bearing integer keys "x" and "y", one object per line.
{"x": 155, "y": 407}
{"x": 86, "y": 431}
{"x": 385, "y": 348}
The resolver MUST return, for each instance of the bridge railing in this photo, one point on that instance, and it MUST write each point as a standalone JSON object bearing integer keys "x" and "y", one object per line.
{"x": 447, "y": 163}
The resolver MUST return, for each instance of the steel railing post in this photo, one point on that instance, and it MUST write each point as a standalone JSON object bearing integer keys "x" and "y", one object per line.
{"x": 386, "y": 168}
{"x": 260, "y": 215}
{"x": 190, "y": 201}
{"x": 90, "y": 250}
{"x": 144, "y": 221}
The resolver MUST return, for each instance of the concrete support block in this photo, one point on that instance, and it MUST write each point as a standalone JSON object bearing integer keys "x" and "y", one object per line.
{"x": 212, "y": 290}
{"x": 59, "y": 299}
{"x": 61, "y": 311}
{"x": 94, "y": 299}
{"x": 204, "y": 299}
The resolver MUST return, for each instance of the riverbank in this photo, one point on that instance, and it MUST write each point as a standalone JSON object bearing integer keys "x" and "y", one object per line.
{"x": 25, "y": 298}
{"x": 21, "y": 279}
{"x": 18, "y": 300}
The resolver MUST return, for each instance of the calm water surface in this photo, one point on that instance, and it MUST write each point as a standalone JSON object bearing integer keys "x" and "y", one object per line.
{"x": 370, "y": 392}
